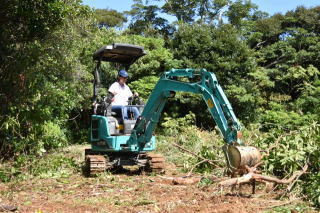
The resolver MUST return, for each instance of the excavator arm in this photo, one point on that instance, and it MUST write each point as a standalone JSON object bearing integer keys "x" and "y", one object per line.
{"x": 211, "y": 92}
{"x": 218, "y": 105}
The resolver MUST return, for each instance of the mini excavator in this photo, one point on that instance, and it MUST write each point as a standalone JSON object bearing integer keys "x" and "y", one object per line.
{"x": 117, "y": 142}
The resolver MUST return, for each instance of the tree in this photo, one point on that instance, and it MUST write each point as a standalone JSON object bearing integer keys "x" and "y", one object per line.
{"x": 40, "y": 73}
{"x": 238, "y": 11}
{"x": 219, "y": 50}
{"x": 145, "y": 20}
{"x": 30, "y": 20}
{"x": 286, "y": 48}
{"x": 208, "y": 11}
{"x": 183, "y": 10}
{"x": 109, "y": 18}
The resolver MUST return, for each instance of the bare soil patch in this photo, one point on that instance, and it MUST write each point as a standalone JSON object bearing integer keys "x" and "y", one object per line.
{"x": 130, "y": 191}
{"x": 127, "y": 193}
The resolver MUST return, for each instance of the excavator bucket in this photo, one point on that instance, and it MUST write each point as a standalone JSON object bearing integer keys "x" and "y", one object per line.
{"x": 240, "y": 156}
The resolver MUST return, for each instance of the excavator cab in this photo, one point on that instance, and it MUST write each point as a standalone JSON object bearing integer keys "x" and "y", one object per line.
{"x": 109, "y": 131}
{"x": 123, "y": 55}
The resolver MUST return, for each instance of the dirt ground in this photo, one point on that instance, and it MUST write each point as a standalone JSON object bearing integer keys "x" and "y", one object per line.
{"x": 129, "y": 192}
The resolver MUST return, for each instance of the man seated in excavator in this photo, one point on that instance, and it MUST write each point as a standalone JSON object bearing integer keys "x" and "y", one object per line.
{"x": 121, "y": 96}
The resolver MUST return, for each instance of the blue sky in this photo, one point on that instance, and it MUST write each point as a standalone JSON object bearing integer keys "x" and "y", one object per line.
{"x": 270, "y": 6}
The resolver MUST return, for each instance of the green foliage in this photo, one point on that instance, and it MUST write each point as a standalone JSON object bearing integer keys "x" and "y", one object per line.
{"x": 58, "y": 164}
{"x": 174, "y": 126}
{"x": 205, "y": 182}
{"x": 312, "y": 188}
{"x": 208, "y": 11}
{"x": 290, "y": 151}
{"x": 183, "y": 10}
{"x": 280, "y": 118}
{"x": 3, "y": 176}
{"x": 221, "y": 51}
{"x": 54, "y": 167}
{"x": 216, "y": 49}
{"x": 109, "y": 18}
{"x": 35, "y": 18}
{"x": 308, "y": 102}
{"x": 157, "y": 60}
{"x": 202, "y": 143}
{"x": 39, "y": 83}
{"x": 239, "y": 10}
{"x": 190, "y": 11}
{"x": 146, "y": 21}
{"x": 53, "y": 136}
{"x": 183, "y": 132}
{"x": 144, "y": 86}
{"x": 300, "y": 207}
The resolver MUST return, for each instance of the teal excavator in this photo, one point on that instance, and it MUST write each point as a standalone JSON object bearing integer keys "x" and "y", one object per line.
{"x": 117, "y": 142}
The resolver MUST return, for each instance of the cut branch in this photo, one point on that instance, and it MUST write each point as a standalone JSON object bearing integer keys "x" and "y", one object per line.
{"x": 190, "y": 172}
{"x": 253, "y": 176}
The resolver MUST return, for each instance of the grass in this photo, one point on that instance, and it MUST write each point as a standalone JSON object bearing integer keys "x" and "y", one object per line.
{"x": 57, "y": 164}
{"x": 300, "y": 207}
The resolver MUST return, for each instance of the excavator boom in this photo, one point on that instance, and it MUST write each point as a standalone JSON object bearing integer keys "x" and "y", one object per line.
{"x": 216, "y": 101}
{"x": 211, "y": 92}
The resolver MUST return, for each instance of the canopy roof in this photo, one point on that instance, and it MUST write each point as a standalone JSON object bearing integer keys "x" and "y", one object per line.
{"x": 125, "y": 54}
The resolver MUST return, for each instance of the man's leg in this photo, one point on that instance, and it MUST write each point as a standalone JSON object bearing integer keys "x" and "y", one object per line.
{"x": 125, "y": 113}
{"x": 136, "y": 113}
{"x": 118, "y": 109}
{"x": 131, "y": 112}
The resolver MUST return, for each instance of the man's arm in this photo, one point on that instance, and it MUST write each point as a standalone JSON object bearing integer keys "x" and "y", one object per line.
{"x": 112, "y": 88}
{"x": 129, "y": 92}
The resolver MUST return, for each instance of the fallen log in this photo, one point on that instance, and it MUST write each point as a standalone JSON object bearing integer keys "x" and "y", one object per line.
{"x": 252, "y": 176}
{"x": 186, "y": 180}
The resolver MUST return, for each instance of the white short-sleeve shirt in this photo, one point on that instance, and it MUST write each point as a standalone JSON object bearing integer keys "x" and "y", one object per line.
{"x": 121, "y": 93}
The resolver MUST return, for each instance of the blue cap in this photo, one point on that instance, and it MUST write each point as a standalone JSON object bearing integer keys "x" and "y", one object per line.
{"x": 123, "y": 73}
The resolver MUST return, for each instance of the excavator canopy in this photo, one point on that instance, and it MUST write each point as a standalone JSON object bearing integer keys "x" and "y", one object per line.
{"x": 125, "y": 54}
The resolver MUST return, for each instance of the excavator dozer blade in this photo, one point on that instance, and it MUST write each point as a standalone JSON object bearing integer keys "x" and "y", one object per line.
{"x": 240, "y": 156}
